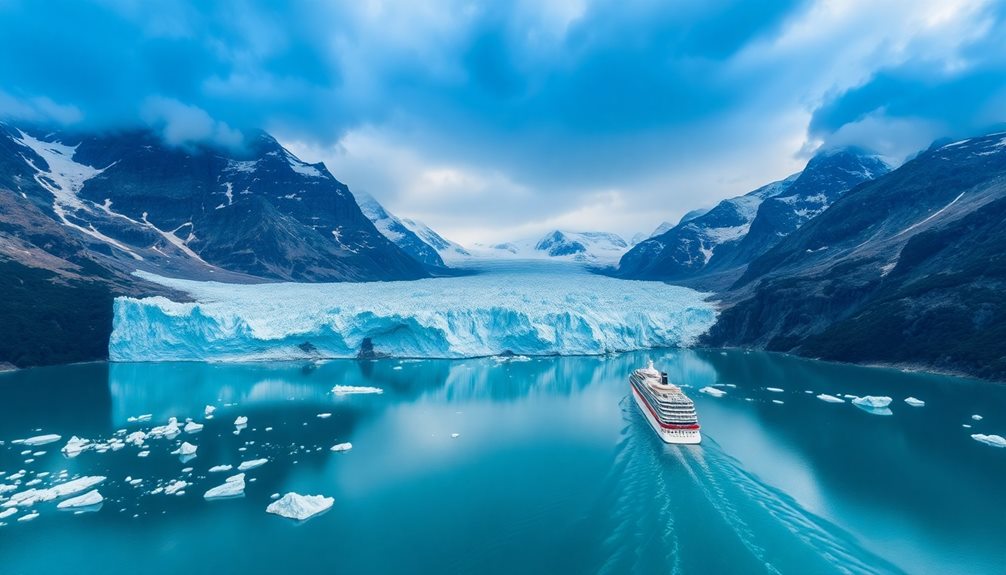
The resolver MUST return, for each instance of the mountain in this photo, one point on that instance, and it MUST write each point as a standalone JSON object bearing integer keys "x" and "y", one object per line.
{"x": 449, "y": 251}
{"x": 198, "y": 212}
{"x": 907, "y": 269}
{"x": 718, "y": 244}
{"x": 396, "y": 231}
{"x": 587, "y": 247}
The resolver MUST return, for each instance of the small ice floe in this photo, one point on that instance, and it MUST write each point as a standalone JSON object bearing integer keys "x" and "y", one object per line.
{"x": 830, "y": 398}
{"x": 915, "y": 402}
{"x": 808, "y": 392}
{"x": 715, "y": 392}
{"x": 353, "y": 389}
{"x": 342, "y": 446}
{"x": 32, "y": 496}
{"x": 219, "y": 468}
{"x": 268, "y": 429}
{"x": 75, "y": 446}
{"x": 143, "y": 454}
{"x": 299, "y": 507}
{"x": 966, "y": 426}
{"x": 775, "y": 389}
{"x": 850, "y": 396}
{"x": 324, "y": 415}
{"x": 136, "y": 481}
{"x": 274, "y": 496}
{"x": 33, "y": 482}
{"x": 8, "y": 512}
{"x": 29, "y": 517}
{"x": 185, "y": 448}
{"x": 136, "y": 438}
{"x": 209, "y": 410}
{"x": 186, "y": 470}
{"x": 170, "y": 431}
{"x": 246, "y": 465}
{"x": 993, "y": 440}
{"x": 777, "y": 401}
{"x": 42, "y": 439}
{"x": 175, "y": 487}
{"x": 455, "y": 435}
{"x": 233, "y": 486}
{"x": 241, "y": 421}
{"x": 89, "y": 499}
{"x": 877, "y": 405}
{"x": 193, "y": 427}
{"x": 145, "y": 417}
{"x": 976, "y": 417}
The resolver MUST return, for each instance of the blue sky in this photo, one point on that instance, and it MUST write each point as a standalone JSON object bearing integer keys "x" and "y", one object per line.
{"x": 495, "y": 121}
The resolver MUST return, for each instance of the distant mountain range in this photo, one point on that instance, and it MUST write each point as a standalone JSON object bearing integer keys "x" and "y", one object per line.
{"x": 710, "y": 248}
{"x": 600, "y": 248}
{"x": 415, "y": 238}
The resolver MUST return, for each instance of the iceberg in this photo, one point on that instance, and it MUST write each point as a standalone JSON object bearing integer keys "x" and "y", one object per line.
{"x": 713, "y": 391}
{"x": 33, "y": 496}
{"x": 355, "y": 389}
{"x": 246, "y": 465}
{"x": 209, "y": 410}
{"x": 185, "y": 448}
{"x": 193, "y": 427}
{"x": 830, "y": 398}
{"x": 88, "y": 499}
{"x": 342, "y": 446}
{"x": 75, "y": 446}
{"x": 532, "y": 311}
{"x": 233, "y": 486}
{"x": 993, "y": 440}
{"x": 299, "y": 507}
{"x": 241, "y": 420}
{"x": 915, "y": 402}
{"x": 873, "y": 401}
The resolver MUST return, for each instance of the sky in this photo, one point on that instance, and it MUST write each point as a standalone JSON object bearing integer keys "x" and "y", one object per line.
{"x": 495, "y": 121}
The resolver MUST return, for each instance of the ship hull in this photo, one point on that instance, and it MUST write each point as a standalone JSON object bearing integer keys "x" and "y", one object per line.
{"x": 672, "y": 436}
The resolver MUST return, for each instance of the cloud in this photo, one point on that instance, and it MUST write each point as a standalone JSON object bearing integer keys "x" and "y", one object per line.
{"x": 488, "y": 119}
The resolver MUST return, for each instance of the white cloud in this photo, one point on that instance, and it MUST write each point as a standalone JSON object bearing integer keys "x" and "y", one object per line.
{"x": 181, "y": 124}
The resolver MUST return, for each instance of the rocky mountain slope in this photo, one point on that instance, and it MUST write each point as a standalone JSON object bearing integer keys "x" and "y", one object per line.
{"x": 713, "y": 247}
{"x": 907, "y": 269}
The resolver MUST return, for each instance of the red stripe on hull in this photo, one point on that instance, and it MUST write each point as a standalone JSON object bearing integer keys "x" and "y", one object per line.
{"x": 657, "y": 417}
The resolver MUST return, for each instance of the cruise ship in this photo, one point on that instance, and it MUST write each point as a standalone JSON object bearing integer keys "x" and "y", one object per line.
{"x": 670, "y": 412}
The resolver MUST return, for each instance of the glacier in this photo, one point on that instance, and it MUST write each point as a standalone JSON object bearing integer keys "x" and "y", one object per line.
{"x": 526, "y": 308}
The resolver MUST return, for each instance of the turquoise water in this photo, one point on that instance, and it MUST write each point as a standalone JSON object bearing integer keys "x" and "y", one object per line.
{"x": 553, "y": 470}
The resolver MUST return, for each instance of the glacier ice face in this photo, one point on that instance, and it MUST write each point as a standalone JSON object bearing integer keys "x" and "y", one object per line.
{"x": 528, "y": 308}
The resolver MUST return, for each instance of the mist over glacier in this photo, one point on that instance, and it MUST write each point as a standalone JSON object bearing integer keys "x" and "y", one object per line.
{"x": 530, "y": 308}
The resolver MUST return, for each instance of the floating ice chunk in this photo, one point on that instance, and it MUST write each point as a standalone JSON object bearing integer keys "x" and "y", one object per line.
{"x": 136, "y": 438}
{"x": 209, "y": 410}
{"x": 143, "y": 454}
{"x": 713, "y": 391}
{"x": 169, "y": 431}
{"x": 233, "y": 486}
{"x": 777, "y": 401}
{"x": 33, "y": 496}
{"x": 455, "y": 435}
{"x": 75, "y": 446}
{"x": 354, "y": 389}
{"x": 175, "y": 487}
{"x": 42, "y": 439}
{"x": 830, "y": 398}
{"x": 185, "y": 448}
{"x": 873, "y": 401}
{"x": 274, "y": 496}
{"x": 219, "y": 468}
{"x": 241, "y": 420}
{"x": 246, "y": 465}
{"x": 397, "y": 368}
{"x": 193, "y": 427}
{"x": 324, "y": 415}
{"x": 850, "y": 396}
{"x": 993, "y": 440}
{"x": 88, "y": 499}
{"x": 8, "y": 512}
{"x": 342, "y": 446}
{"x": 145, "y": 417}
{"x": 299, "y": 507}
{"x": 976, "y": 417}
{"x": 915, "y": 402}
{"x": 29, "y": 517}
{"x": 186, "y": 470}
{"x": 775, "y": 389}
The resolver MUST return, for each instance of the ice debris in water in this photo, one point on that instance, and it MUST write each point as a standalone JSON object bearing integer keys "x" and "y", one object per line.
{"x": 873, "y": 401}
{"x": 993, "y": 440}
{"x": 775, "y": 389}
{"x": 219, "y": 468}
{"x": 88, "y": 499}
{"x": 233, "y": 486}
{"x": 526, "y": 312}
{"x": 324, "y": 415}
{"x": 33, "y": 496}
{"x": 246, "y": 465}
{"x": 42, "y": 439}
{"x": 777, "y": 401}
{"x": 241, "y": 420}
{"x": 830, "y": 398}
{"x": 353, "y": 389}
{"x": 175, "y": 487}
{"x": 8, "y": 512}
{"x": 713, "y": 391}
{"x": 185, "y": 448}
{"x": 209, "y": 410}
{"x": 915, "y": 402}
{"x": 976, "y": 417}
{"x": 455, "y": 435}
{"x": 342, "y": 446}
{"x": 143, "y": 454}
{"x": 300, "y": 507}
{"x": 75, "y": 446}
{"x": 29, "y": 517}
{"x": 169, "y": 431}
{"x": 193, "y": 427}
